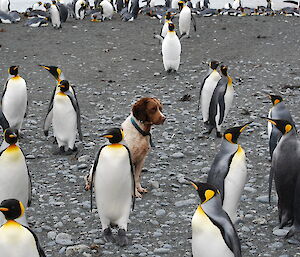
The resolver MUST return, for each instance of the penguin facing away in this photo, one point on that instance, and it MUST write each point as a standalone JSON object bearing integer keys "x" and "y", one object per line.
{"x": 207, "y": 88}
{"x": 221, "y": 101}
{"x": 14, "y": 98}
{"x": 113, "y": 179}
{"x": 15, "y": 178}
{"x": 213, "y": 234}
{"x": 107, "y": 9}
{"x": 16, "y": 239}
{"x": 228, "y": 172}
{"x": 171, "y": 50}
{"x": 279, "y": 112}
{"x": 285, "y": 171}
{"x": 66, "y": 119}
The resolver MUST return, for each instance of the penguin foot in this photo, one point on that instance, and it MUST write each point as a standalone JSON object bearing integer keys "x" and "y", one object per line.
{"x": 107, "y": 235}
{"x": 122, "y": 239}
{"x": 137, "y": 194}
{"x": 219, "y": 134}
{"x": 206, "y": 123}
{"x": 60, "y": 151}
{"x": 71, "y": 151}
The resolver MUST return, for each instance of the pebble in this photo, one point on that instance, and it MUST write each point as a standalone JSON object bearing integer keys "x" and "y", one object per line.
{"x": 177, "y": 155}
{"x": 160, "y": 212}
{"x": 182, "y": 203}
{"x": 64, "y": 239}
{"x": 76, "y": 249}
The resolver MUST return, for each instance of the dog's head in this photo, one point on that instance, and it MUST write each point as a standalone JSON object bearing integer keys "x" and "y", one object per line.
{"x": 149, "y": 111}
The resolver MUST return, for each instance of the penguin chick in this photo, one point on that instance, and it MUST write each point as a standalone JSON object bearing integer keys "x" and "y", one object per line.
{"x": 66, "y": 119}
{"x": 207, "y": 88}
{"x": 171, "y": 50}
{"x": 228, "y": 171}
{"x": 16, "y": 239}
{"x": 280, "y": 112}
{"x": 113, "y": 178}
{"x": 285, "y": 171}
{"x": 14, "y": 99}
{"x": 221, "y": 101}
{"x": 15, "y": 178}
{"x": 213, "y": 234}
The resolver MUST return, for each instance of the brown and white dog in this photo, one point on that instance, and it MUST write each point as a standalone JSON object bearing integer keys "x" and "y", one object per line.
{"x": 145, "y": 113}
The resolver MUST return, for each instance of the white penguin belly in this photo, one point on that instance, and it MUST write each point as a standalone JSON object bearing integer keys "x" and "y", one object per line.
{"x": 108, "y": 9}
{"x": 234, "y": 184}
{"x": 113, "y": 184}
{"x": 185, "y": 20}
{"x": 64, "y": 121}
{"x": 14, "y": 178}
{"x": 207, "y": 240}
{"x": 55, "y": 17}
{"x": 17, "y": 241}
{"x": 207, "y": 92}
{"x": 14, "y": 102}
{"x": 171, "y": 49}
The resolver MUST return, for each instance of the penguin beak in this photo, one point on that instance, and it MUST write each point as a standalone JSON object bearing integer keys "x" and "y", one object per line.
{"x": 12, "y": 135}
{"x": 107, "y": 136}
{"x": 4, "y": 209}
{"x": 243, "y": 127}
{"x": 192, "y": 182}
{"x": 45, "y": 67}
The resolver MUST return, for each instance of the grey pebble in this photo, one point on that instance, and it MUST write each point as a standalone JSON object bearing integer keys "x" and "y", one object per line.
{"x": 64, "y": 239}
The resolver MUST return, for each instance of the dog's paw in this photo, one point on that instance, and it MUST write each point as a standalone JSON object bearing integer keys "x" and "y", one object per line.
{"x": 88, "y": 183}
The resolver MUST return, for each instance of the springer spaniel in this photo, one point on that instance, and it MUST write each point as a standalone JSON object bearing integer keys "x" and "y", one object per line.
{"x": 145, "y": 113}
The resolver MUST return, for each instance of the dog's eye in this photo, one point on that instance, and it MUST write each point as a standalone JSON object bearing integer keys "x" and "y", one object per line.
{"x": 153, "y": 109}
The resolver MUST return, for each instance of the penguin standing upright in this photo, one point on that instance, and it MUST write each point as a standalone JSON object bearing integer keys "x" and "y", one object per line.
{"x": 185, "y": 18}
{"x": 229, "y": 172}
{"x": 14, "y": 98}
{"x": 207, "y": 88}
{"x": 66, "y": 119}
{"x": 16, "y": 239}
{"x": 171, "y": 50}
{"x": 113, "y": 178}
{"x": 55, "y": 16}
{"x": 79, "y": 9}
{"x": 107, "y": 9}
{"x": 39, "y": 6}
{"x": 213, "y": 234}
{"x": 14, "y": 176}
{"x": 221, "y": 102}
{"x": 279, "y": 112}
{"x": 63, "y": 11}
{"x": 5, "y": 6}
{"x": 285, "y": 171}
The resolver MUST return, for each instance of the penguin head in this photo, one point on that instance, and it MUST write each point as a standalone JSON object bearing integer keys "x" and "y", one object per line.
{"x": 13, "y": 70}
{"x": 168, "y": 16}
{"x": 275, "y": 99}
{"x": 47, "y": 6}
{"x": 12, "y": 209}
{"x": 55, "y": 71}
{"x": 232, "y": 134}
{"x": 214, "y": 65}
{"x": 180, "y": 5}
{"x": 40, "y": 3}
{"x": 171, "y": 26}
{"x": 53, "y": 2}
{"x": 11, "y": 136}
{"x": 64, "y": 85}
{"x": 114, "y": 135}
{"x": 224, "y": 69}
{"x": 206, "y": 191}
{"x": 283, "y": 125}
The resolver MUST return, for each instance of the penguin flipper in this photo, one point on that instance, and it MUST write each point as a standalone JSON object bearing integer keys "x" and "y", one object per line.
{"x": 48, "y": 119}
{"x": 200, "y": 91}
{"x": 133, "y": 180}
{"x": 77, "y": 110}
{"x": 222, "y": 107}
{"x": 93, "y": 173}
{"x": 3, "y": 121}
{"x": 271, "y": 177}
{"x": 194, "y": 22}
{"x": 38, "y": 246}
{"x": 4, "y": 90}
{"x": 213, "y": 106}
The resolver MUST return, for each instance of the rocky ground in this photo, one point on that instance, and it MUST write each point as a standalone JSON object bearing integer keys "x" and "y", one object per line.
{"x": 112, "y": 64}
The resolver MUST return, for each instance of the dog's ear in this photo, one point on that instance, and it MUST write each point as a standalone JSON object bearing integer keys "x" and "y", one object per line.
{"x": 139, "y": 109}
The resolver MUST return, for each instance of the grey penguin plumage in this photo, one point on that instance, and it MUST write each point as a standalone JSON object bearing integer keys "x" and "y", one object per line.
{"x": 229, "y": 172}
{"x": 221, "y": 101}
{"x": 36, "y": 22}
{"x": 63, "y": 12}
{"x": 15, "y": 179}
{"x": 213, "y": 234}
{"x": 65, "y": 118}
{"x": 279, "y": 112}
{"x": 16, "y": 239}
{"x": 285, "y": 171}
{"x": 113, "y": 179}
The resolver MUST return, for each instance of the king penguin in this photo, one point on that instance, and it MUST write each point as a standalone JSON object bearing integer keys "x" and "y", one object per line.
{"x": 79, "y": 9}
{"x": 229, "y": 172}
{"x": 113, "y": 178}
{"x": 5, "y": 6}
{"x": 213, "y": 234}
{"x": 107, "y": 9}
{"x": 285, "y": 171}
{"x": 185, "y": 18}
{"x": 221, "y": 101}
{"x": 171, "y": 50}
{"x": 14, "y": 98}
{"x": 66, "y": 119}
{"x": 207, "y": 88}
{"x": 55, "y": 15}
{"x": 279, "y": 112}
{"x": 15, "y": 179}
{"x": 16, "y": 239}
